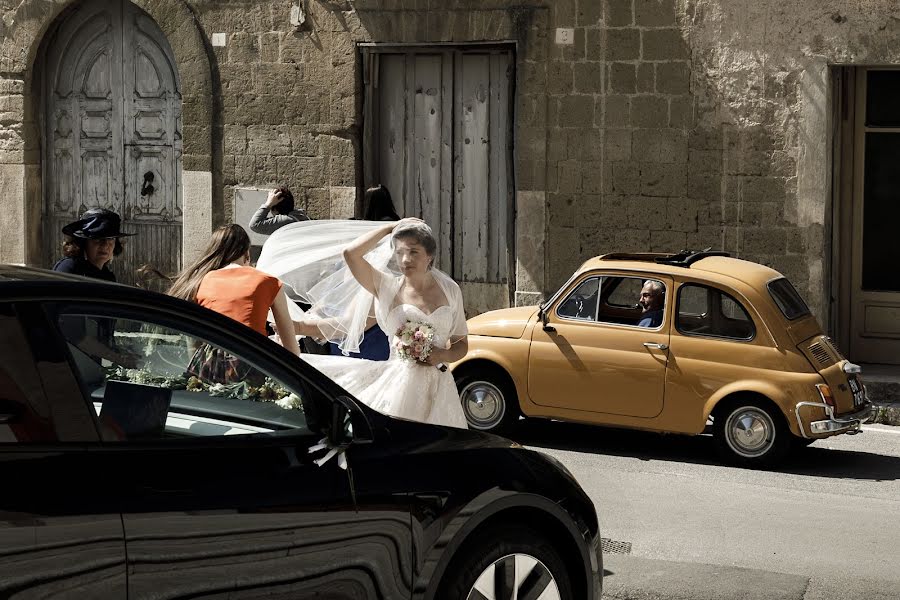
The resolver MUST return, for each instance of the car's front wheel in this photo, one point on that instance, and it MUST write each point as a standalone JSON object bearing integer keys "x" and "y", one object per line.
{"x": 488, "y": 400}
{"x": 507, "y": 562}
{"x": 747, "y": 433}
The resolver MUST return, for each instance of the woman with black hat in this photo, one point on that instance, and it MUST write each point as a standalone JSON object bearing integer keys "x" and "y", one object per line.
{"x": 91, "y": 243}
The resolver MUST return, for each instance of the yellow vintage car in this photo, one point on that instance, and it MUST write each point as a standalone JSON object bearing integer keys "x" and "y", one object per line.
{"x": 668, "y": 343}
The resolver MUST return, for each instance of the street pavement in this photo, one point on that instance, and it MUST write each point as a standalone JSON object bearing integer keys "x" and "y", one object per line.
{"x": 824, "y": 525}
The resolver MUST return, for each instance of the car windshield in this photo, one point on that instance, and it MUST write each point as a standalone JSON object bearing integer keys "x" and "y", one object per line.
{"x": 788, "y": 299}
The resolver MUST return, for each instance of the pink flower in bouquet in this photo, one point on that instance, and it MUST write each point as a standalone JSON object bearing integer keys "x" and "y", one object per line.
{"x": 414, "y": 341}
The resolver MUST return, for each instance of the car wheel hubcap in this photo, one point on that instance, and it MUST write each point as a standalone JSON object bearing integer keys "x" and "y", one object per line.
{"x": 515, "y": 576}
{"x": 750, "y": 431}
{"x": 483, "y": 404}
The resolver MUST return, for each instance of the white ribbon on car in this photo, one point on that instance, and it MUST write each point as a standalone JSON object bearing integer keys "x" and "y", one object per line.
{"x": 333, "y": 451}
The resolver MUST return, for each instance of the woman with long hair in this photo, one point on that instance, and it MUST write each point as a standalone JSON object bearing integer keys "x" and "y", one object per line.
{"x": 223, "y": 280}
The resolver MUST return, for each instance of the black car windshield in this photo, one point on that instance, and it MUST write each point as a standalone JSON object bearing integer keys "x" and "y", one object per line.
{"x": 788, "y": 299}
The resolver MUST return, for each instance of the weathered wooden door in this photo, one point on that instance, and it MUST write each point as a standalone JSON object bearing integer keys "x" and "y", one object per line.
{"x": 438, "y": 134}
{"x": 875, "y": 279}
{"x": 112, "y": 135}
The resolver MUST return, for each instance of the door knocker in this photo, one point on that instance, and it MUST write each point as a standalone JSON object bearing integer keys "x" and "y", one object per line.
{"x": 147, "y": 187}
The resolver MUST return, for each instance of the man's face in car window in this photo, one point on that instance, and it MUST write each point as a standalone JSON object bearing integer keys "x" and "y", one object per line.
{"x": 651, "y": 296}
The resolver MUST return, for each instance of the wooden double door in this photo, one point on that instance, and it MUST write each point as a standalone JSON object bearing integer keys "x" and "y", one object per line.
{"x": 112, "y": 132}
{"x": 438, "y": 134}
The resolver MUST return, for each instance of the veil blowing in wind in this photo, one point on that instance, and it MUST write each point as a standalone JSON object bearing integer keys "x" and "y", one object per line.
{"x": 388, "y": 273}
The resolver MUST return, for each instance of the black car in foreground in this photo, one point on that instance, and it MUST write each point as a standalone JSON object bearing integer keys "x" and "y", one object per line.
{"x": 150, "y": 448}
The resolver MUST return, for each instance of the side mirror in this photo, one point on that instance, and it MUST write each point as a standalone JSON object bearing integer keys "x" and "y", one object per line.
{"x": 544, "y": 323}
{"x": 348, "y": 423}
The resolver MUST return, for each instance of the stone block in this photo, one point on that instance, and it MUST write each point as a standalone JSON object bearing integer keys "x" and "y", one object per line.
{"x": 614, "y": 210}
{"x": 342, "y": 171}
{"x": 664, "y": 44}
{"x": 623, "y": 44}
{"x": 589, "y": 77}
{"x": 649, "y": 111}
{"x": 626, "y": 178}
{"x": 592, "y": 177}
{"x": 645, "y": 79}
{"x": 771, "y": 241}
{"x": 11, "y": 85}
{"x": 572, "y": 52}
{"x": 561, "y": 210}
{"x": 243, "y": 48}
{"x": 618, "y": 13}
{"x": 616, "y": 111}
{"x": 663, "y": 179}
{"x": 705, "y": 186}
{"x": 342, "y": 50}
{"x": 673, "y": 77}
{"x": 531, "y": 77}
{"x": 576, "y": 111}
{"x": 318, "y": 203}
{"x": 622, "y": 78}
{"x": 244, "y": 169}
{"x": 560, "y": 79}
{"x": 705, "y": 139}
{"x": 618, "y": 144}
{"x": 564, "y": 14}
{"x": 763, "y": 189}
{"x": 584, "y": 144}
{"x": 660, "y": 145}
{"x": 646, "y": 213}
{"x": 270, "y": 47}
{"x": 235, "y": 139}
{"x": 681, "y": 112}
{"x": 681, "y": 214}
{"x": 667, "y": 241}
{"x": 589, "y": 213}
{"x": 569, "y": 176}
{"x": 595, "y": 44}
{"x": 589, "y": 13}
{"x": 563, "y": 248}
{"x": 268, "y": 141}
{"x": 654, "y": 13}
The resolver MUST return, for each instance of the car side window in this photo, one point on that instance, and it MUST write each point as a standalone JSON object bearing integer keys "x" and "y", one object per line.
{"x": 151, "y": 381}
{"x": 635, "y": 301}
{"x": 581, "y": 304}
{"x": 25, "y": 416}
{"x": 707, "y": 311}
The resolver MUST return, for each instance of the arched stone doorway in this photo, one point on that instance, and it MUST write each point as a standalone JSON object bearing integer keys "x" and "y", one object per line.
{"x": 112, "y": 131}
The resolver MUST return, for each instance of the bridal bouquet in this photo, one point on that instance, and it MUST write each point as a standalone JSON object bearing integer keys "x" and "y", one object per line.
{"x": 414, "y": 341}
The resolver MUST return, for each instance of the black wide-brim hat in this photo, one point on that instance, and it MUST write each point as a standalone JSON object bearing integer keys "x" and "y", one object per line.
{"x": 95, "y": 224}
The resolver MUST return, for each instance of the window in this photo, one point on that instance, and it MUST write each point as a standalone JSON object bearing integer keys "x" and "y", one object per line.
{"x": 147, "y": 380}
{"x": 707, "y": 311}
{"x": 788, "y": 300}
{"x": 582, "y": 303}
{"x": 632, "y": 301}
{"x": 24, "y": 413}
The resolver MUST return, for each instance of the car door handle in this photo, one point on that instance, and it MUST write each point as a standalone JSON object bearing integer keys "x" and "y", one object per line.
{"x": 655, "y": 345}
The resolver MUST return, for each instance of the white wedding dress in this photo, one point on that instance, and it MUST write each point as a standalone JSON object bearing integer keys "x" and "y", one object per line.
{"x": 398, "y": 387}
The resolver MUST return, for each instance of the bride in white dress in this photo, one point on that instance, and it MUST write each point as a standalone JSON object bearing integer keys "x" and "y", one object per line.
{"x": 419, "y": 293}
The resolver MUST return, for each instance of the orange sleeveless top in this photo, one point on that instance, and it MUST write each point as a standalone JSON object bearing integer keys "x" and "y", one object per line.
{"x": 242, "y": 293}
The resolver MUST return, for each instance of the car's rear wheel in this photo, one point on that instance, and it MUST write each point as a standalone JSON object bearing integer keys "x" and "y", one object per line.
{"x": 488, "y": 400}
{"x": 747, "y": 433}
{"x": 507, "y": 562}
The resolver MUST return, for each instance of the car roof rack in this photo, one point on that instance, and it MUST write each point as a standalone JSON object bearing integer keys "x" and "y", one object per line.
{"x": 685, "y": 258}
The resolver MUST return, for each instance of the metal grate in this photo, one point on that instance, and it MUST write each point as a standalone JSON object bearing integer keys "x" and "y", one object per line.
{"x": 834, "y": 349}
{"x": 609, "y": 546}
{"x": 820, "y": 353}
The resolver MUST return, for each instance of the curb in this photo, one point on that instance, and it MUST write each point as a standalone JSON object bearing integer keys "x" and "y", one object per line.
{"x": 887, "y": 413}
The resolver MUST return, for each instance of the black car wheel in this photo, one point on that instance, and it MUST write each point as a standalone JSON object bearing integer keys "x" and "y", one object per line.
{"x": 488, "y": 400}
{"x": 749, "y": 434}
{"x": 507, "y": 562}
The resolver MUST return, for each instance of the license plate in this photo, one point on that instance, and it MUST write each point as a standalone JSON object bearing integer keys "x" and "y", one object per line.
{"x": 859, "y": 393}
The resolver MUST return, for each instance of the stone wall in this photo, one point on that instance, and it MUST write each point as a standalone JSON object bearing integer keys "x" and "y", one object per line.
{"x": 664, "y": 125}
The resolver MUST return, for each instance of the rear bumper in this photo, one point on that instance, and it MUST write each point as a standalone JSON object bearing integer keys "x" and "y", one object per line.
{"x": 845, "y": 423}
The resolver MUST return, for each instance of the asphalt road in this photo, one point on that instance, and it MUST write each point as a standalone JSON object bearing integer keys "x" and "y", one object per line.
{"x": 824, "y": 525}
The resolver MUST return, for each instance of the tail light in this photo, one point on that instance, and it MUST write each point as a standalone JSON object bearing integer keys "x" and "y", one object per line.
{"x": 825, "y": 393}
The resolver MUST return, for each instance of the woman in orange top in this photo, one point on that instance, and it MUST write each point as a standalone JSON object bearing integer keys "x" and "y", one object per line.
{"x": 223, "y": 281}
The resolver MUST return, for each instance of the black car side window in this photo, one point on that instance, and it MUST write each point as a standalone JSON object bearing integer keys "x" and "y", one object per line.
{"x": 707, "y": 311}
{"x": 148, "y": 381}
{"x": 25, "y": 416}
{"x": 581, "y": 304}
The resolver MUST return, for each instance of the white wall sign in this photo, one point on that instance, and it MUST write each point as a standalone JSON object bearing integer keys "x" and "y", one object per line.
{"x": 565, "y": 36}
{"x": 246, "y": 201}
{"x": 218, "y": 39}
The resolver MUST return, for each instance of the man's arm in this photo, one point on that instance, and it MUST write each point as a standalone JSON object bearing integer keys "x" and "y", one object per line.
{"x": 266, "y": 225}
